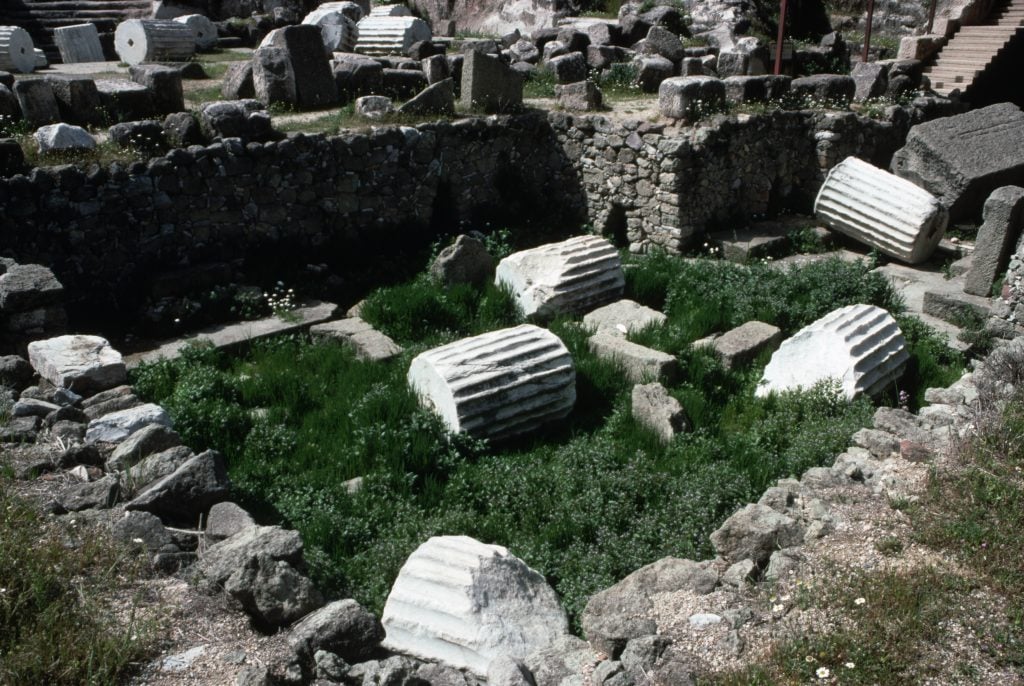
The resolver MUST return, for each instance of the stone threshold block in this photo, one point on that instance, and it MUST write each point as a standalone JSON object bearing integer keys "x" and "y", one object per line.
{"x": 860, "y": 346}
{"x": 367, "y": 343}
{"x": 881, "y": 210}
{"x": 569, "y": 277}
{"x": 744, "y": 343}
{"x": 640, "y": 364}
{"x": 622, "y": 317}
{"x": 464, "y": 603}
{"x": 497, "y": 384}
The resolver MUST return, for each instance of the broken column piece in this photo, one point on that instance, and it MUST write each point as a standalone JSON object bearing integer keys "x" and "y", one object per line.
{"x": 498, "y": 384}
{"x": 17, "y": 52}
{"x": 390, "y": 35}
{"x": 153, "y": 40}
{"x": 881, "y": 210}
{"x": 573, "y": 276}
{"x": 861, "y": 346}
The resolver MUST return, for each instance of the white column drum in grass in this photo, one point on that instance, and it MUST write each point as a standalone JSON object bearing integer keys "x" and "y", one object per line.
{"x": 17, "y": 51}
{"x": 463, "y": 603}
{"x": 881, "y": 210}
{"x": 861, "y": 346}
{"x": 388, "y": 35}
{"x": 153, "y": 40}
{"x": 204, "y": 31}
{"x": 573, "y": 276}
{"x": 498, "y": 384}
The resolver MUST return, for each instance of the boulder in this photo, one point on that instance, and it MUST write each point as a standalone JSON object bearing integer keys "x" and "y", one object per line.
{"x": 754, "y": 533}
{"x": 871, "y": 80}
{"x": 227, "y": 519}
{"x": 524, "y": 51}
{"x": 78, "y": 100}
{"x": 182, "y": 129}
{"x": 625, "y": 611}
{"x": 222, "y": 559}
{"x": 437, "y": 99}
{"x": 62, "y": 138}
{"x": 498, "y": 384}
{"x": 150, "y": 439}
{"x": 186, "y": 494}
{"x": 28, "y": 286}
{"x": 655, "y": 409}
{"x": 245, "y": 119}
{"x": 860, "y": 346}
{"x": 15, "y": 371}
{"x": 509, "y": 671}
{"x": 273, "y": 77}
{"x": 881, "y": 210}
{"x": 665, "y": 43}
{"x": 568, "y": 68}
{"x": 12, "y": 157}
{"x": 464, "y": 261}
{"x": 273, "y": 592}
{"x": 373, "y": 106}
{"x": 742, "y": 89}
{"x": 572, "y": 276}
{"x": 436, "y": 69}
{"x": 997, "y": 236}
{"x": 164, "y": 83}
{"x": 357, "y": 74}
{"x": 402, "y": 84}
{"x": 125, "y": 100}
{"x": 155, "y": 466}
{"x": 651, "y": 71}
{"x": 114, "y": 427}
{"x": 690, "y": 97}
{"x": 622, "y": 317}
{"x": 37, "y": 102}
{"x": 100, "y": 494}
{"x": 963, "y": 158}
{"x": 84, "y": 364}
{"x": 144, "y": 528}
{"x": 463, "y": 603}
{"x": 563, "y": 662}
{"x": 238, "y": 81}
{"x": 342, "y": 627}
{"x": 142, "y": 135}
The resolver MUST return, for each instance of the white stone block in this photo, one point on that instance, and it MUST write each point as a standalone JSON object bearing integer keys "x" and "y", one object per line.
{"x": 573, "y": 276}
{"x": 881, "y": 210}
{"x": 860, "y": 346}
{"x": 498, "y": 384}
{"x": 204, "y": 31}
{"x": 54, "y": 137}
{"x": 83, "y": 364}
{"x": 78, "y": 43}
{"x": 153, "y": 40}
{"x": 117, "y": 426}
{"x": 463, "y": 603}
{"x": 390, "y": 11}
{"x": 17, "y": 51}
{"x": 339, "y": 32}
{"x": 390, "y": 35}
{"x": 622, "y": 317}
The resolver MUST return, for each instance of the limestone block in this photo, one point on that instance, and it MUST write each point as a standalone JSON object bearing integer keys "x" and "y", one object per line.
{"x": 1004, "y": 217}
{"x": 78, "y": 99}
{"x": 622, "y": 317}
{"x": 463, "y": 603}
{"x": 314, "y": 82}
{"x": 572, "y": 276}
{"x": 38, "y": 104}
{"x": 204, "y": 31}
{"x": 489, "y": 84}
{"x": 17, "y": 52}
{"x": 745, "y": 342}
{"x": 860, "y": 346}
{"x": 152, "y": 40}
{"x": 881, "y": 210}
{"x": 690, "y": 96}
{"x": 363, "y": 339}
{"x": 373, "y": 106}
{"x": 583, "y": 96}
{"x": 497, "y": 384}
{"x": 639, "y": 363}
{"x": 963, "y": 158}
{"x": 164, "y": 83}
{"x": 78, "y": 43}
{"x": 125, "y": 100}
{"x": 654, "y": 408}
{"x": 651, "y": 71}
{"x": 338, "y": 30}
{"x": 84, "y": 364}
{"x": 273, "y": 77}
{"x": 389, "y": 35}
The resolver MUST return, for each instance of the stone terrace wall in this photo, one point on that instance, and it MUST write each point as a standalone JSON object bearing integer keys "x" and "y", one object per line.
{"x": 659, "y": 188}
{"x": 109, "y": 233}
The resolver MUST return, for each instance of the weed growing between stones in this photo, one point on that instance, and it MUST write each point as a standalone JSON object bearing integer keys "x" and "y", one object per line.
{"x": 585, "y": 501}
{"x": 59, "y": 590}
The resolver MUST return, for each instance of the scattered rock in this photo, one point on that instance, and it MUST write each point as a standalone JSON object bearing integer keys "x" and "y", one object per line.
{"x": 272, "y": 591}
{"x": 465, "y": 261}
{"x": 227, "y": 519}
{"x": 754, "y": 533}
{"x": 117, "y": 426}
{"x": 152, "y": 438}
{"x": 85, "y": 364}
{"x": 342, "y": 627}
{"x": 187, "y": 493}
{"x": 655, "y": 409}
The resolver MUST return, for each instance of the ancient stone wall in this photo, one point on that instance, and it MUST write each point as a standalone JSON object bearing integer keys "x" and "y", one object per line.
{"x": 110, "y": 233}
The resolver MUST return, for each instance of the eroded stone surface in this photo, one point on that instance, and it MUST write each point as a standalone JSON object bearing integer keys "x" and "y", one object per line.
{"x": 84, "y": 364}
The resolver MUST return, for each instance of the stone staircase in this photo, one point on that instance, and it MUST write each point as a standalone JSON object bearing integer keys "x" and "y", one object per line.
{"x": 973, "y": 48}
{"x": 41, "y": 17}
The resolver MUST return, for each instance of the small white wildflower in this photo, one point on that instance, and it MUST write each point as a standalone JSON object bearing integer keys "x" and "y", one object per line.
{"x": 849, "y": 665}
{"x": 823, "y": 672}
{"x": 810, "y": 659}
{"x": 778, "y": 608}
{"x": 860, "y": 601}
{"x": 137, "y": 540}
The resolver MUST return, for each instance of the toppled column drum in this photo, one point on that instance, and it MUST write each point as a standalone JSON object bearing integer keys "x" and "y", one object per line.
{"x": 498, "y": 384}
{"x": 881, "y": 210}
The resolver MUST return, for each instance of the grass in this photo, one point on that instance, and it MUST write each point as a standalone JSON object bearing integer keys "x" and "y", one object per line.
{"x": 585, "y": 501}
{"x": 59, "y": 585}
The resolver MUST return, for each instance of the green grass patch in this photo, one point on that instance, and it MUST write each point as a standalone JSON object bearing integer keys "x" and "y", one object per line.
{"x": 585, "y": 501}
{"x": 59, "y": 621}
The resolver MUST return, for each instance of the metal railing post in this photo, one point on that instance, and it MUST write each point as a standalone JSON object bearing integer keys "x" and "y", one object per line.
{"x": 778, "y": 40}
